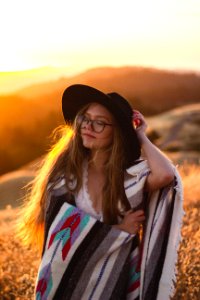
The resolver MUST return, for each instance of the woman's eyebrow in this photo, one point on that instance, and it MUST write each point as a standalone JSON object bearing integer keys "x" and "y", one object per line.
{"x": 98, "y": 116}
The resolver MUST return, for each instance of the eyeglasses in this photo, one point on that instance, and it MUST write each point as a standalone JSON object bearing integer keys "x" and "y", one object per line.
{"x": 96, "y": 125}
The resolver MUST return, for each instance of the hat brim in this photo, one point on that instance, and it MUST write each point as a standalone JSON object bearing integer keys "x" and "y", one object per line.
{"x": 77, "y": 96}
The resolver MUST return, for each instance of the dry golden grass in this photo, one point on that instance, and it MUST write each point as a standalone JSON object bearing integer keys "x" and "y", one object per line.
{"x": 18, "y": 266}
{"x": 188, "y": 279}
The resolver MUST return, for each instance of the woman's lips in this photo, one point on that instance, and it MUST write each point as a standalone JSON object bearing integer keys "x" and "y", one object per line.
{"x": 88, "y": 135}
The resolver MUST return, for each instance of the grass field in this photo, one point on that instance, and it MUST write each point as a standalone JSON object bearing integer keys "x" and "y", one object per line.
{"x": 18, "y": 266}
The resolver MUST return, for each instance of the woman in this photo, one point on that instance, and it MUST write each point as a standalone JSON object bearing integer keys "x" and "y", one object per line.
{"x": 87, "y": 202}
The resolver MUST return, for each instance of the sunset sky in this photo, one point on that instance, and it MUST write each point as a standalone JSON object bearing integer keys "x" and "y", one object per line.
{"x": 78, "y": 34}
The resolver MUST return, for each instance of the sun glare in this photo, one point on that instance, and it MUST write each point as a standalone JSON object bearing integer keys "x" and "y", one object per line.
{"x": 40, "y": 33}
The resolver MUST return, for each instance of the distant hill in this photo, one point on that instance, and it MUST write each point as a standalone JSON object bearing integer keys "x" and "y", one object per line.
{"x": 11, "y": 81}
{"x": 28, "y": 117}
{"x": 177, "y": 129}
{"x": 150, "y": 90}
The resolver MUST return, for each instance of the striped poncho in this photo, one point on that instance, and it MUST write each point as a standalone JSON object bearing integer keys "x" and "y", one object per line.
{"x": 84, "y": 258}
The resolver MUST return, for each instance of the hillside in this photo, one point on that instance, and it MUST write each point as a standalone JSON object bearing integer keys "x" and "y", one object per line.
{"x": 151, "y": 90}
{"x": 132, "y": 82}
{"x": 11, "y": 81}
{"x": 28, "y": 117}
{"x": 177, "y": 129}
{"x": 176, "y": 132}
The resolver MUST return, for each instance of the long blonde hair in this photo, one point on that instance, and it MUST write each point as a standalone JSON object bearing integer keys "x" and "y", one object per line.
{"x": 66, "y": 157}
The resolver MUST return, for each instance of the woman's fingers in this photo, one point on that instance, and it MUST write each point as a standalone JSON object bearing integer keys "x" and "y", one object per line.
{"x": 137, "y": 216}
{"x": 128, "y": 212}
{"x": 132, "y": 221}
{"x": 134, "y": 213}
{"x": 139, "y": 120}
{"x": 138, "y": 212}
{"x": 135, "y": 111}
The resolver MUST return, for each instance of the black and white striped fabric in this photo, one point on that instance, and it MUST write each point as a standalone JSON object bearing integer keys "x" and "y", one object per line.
{"x": 84, "y": 258}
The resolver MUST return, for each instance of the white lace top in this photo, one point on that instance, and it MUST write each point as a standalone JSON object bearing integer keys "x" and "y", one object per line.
{"x": 82, "y": 199}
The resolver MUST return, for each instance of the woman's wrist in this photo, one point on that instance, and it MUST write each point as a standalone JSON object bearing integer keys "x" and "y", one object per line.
{"x": 120, "y": 227}
{"x": 142, "y": 137}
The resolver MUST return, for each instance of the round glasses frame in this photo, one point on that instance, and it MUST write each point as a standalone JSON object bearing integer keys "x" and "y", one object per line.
{"x": 96, "y": 125}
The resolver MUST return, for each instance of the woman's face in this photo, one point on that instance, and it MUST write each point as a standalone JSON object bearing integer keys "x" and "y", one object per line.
{"x": 97, "y": 127}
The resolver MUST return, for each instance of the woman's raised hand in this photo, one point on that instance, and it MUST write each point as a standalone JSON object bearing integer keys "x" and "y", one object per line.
{"x": 139, "y": 121}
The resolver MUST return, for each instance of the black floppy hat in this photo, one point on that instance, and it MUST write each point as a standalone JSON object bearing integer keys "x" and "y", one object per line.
{"x": 76, "y": 96}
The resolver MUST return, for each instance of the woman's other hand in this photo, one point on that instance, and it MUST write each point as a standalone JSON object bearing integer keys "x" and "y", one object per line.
{"x": 132, "y": 221}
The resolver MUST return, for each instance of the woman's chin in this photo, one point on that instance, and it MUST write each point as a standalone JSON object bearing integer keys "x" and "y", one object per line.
{"x": 88, "y": 145}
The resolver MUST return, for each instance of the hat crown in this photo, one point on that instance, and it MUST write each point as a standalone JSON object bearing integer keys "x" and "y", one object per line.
{"x": 122, "y": 104}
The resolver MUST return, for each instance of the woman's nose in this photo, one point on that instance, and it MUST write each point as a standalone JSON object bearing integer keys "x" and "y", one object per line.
{"x": 89, "y": 125}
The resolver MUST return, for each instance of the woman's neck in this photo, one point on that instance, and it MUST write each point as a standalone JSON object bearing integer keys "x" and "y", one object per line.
{"x": 97, "y": 159}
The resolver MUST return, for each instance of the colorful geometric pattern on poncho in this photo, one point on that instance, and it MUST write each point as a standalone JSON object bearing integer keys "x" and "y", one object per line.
{"x": 65, "y": 233}
{"x": 101, "y": 266}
